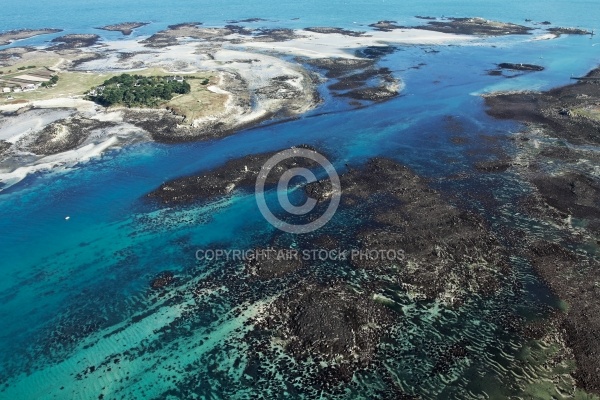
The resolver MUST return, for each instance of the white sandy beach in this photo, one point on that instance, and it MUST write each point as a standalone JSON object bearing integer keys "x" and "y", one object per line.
{"x": 324, "y": 45}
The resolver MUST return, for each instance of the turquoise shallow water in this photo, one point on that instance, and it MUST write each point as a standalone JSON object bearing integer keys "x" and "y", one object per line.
{"x": 75, "y": 16}
{"x": 70, "y": 288}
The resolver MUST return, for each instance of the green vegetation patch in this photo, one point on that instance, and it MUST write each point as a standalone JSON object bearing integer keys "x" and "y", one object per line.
{"x": 53, "y": 81}
{"x": 138, "y": 90}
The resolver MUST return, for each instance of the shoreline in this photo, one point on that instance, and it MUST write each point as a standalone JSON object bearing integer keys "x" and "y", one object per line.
{"x": 9, "y": 37}
{"x": 257, "y": 81}
{"x": 265, "y": 74}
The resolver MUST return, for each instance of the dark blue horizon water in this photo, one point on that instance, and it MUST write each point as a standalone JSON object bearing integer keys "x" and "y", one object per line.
{"x": 99, "y": 262}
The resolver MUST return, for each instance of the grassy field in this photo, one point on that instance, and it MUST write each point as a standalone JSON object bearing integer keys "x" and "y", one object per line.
{"x": 39, "y": 62}
{"x": 70, "y": 84}
{"x": 198, "y": 103}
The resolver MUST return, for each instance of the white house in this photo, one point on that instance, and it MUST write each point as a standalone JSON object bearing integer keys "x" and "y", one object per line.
{"x": 6, "y": 90}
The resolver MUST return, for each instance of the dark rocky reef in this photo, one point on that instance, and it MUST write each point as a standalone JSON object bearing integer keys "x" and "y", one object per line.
{"x": 8, "y": 37}
{"x": 170, "y": 36}
{"x": 331, "y": 322}
{"x": 268, "y": 266}
{"x": 74, "y": 41}
{"x": 566, "y": 195}
{"x": 558, "y": 109}
{"x": 239, "y": 30}
{"x": 438, "y": 241}
{"x": 274, "y": 34}
{"x": 569, "y": 31}
{"x": 66, "y": 134}
{"x": 512, "y": 67}
{"x": 247, "y": 20}
{"x": 374, "y": 94}
{"x": 13, "y": 53}
{"x": 327, "y": 327}
{"x": 338, "y": 67}
{"x": 386, "y": 26}
{"x": 493, "y": 166}
{"x": 461, "y": 26}
{"x": 163, "y": 280}
{"x": 520, "y": 67}
{"x": 573, "y": 278}
{"x": 184, "y": 25}
{"x": 359, "y": 79}
{"x": 375, "y": 52}
{"x": 162, "y": 125}
{"x": 238, "y": 174}
{"x": 572, "y": 193}
{"x": 126, "y": 28}
{"x": 329, "y": 30}
{"x": 476, "y": 26}
{"x": 84, "y": 59}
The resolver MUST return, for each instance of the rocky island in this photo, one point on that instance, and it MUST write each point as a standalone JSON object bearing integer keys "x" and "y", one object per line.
{"x": 461, "y": 26}
{"x": 74, "y": 41}
{"x": 9, "y": 37}
{"x": 126, "y": 28}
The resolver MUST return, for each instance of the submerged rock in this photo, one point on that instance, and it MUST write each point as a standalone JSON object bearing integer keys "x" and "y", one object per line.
{"x": 573, "y": 278}
{"x": 332, "y": 322}
{"x": 163, "y": 280}
{"x": 565, "y": 200}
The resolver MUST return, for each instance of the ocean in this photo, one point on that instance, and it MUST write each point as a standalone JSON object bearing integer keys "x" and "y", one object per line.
{"x": 75, "y": 292}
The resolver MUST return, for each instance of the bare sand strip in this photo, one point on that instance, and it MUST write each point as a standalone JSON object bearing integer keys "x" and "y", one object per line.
{"x": 324, "y": 45}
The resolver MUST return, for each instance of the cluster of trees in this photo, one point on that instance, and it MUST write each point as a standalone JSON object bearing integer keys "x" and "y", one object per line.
{"x": 137, "y": 90}
{"x": 51, "y": 82}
